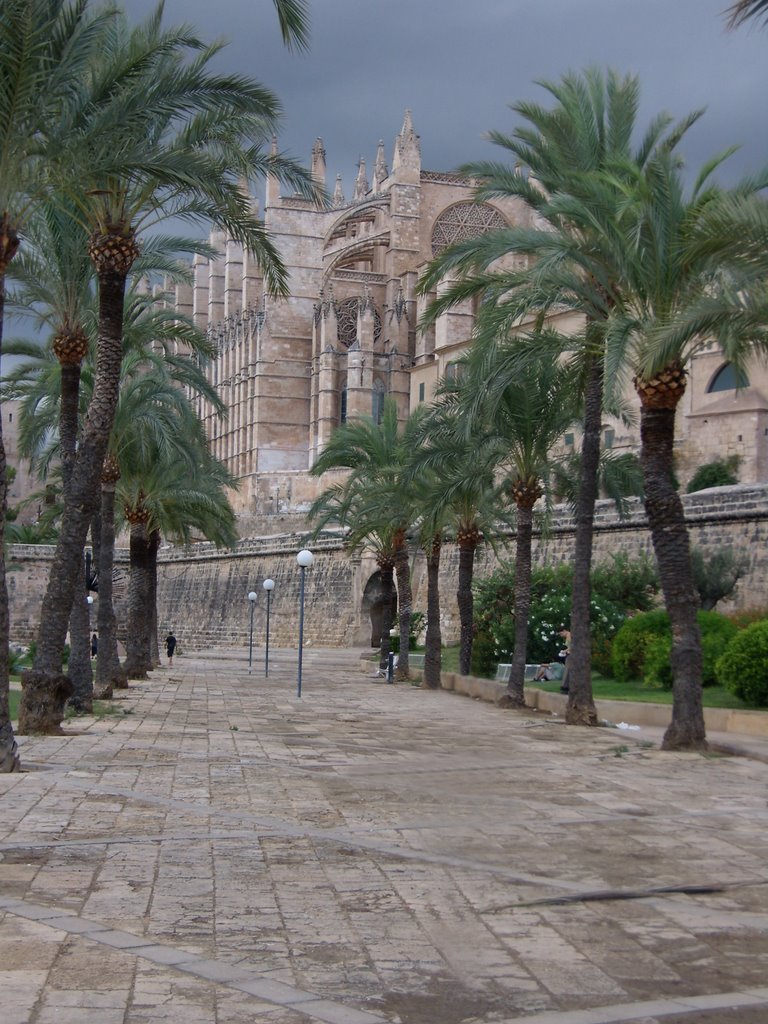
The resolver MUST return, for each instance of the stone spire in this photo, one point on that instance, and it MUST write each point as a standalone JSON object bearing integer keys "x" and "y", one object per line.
{"x": 318, "y": 162}
{"x": 273, "y": 185}
{"x": 361, "y": 182}
{"x": 338, "y": 193}
{"x": 380, "y": 171}
{"x": 407, "y": 147}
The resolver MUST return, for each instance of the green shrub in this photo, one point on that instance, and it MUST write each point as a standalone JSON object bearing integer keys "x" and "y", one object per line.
{"x": 630, "y": 583}
{"x": 631, "y": 642}
{"x": 657, "y": 673}
{"x": 743, "y": 666}
{"x": 718, "y": 473}
{"x": 484, "y": 657}
{"x": 716, "y": 633}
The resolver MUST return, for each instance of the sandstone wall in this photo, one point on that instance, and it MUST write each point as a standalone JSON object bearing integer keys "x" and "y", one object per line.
{"x": 203, "y": 592}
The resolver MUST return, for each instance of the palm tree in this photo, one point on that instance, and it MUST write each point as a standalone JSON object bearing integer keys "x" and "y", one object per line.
{"x": 527, "y": 410}
{"x": 155, "y": 414}
{"x": 177, "y": 498}
{"x": 44, "y": 45}
{"x": 156, "y": 133}
{"x": 745, "y": 10}
{"x": 696, "y": 267}
{"x": 54, "y": 285}
{"x": 374, "y": 503}
{"x": 456, "y": 466}
{"x": 571, "y": 265}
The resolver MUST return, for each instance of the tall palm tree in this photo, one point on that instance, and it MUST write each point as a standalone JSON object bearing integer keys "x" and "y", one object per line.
{"x": 376, "y": 493}
{"x": 54, "y": 284}
{"x": 571, "y": 265}
{"x": 696, "y": 267}
{"x": 44, "y": 46}
{"x": 527, "y": 410}
{"x": 157, "y": 132}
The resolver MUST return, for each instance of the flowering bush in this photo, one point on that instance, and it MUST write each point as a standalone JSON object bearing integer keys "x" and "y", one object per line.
{"x": 547, "y": 617}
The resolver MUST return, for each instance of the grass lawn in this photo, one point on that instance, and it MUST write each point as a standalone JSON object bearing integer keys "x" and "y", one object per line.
{"x": 609, "y": 689}
{"x": 100, "y": 707}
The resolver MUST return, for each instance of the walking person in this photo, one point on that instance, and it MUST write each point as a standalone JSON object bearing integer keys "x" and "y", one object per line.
{"x": 170, "y": 647}
{"x": 94, "y": 646}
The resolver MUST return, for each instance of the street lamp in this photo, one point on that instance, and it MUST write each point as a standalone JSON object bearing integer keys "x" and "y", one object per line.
{"x": 269, "y": 586}
{"x": 252, "y": 598}
{"x": 305, "y": 559}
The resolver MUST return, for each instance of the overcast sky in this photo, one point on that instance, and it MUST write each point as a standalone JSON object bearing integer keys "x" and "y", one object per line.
{"x": 458, "y": 64}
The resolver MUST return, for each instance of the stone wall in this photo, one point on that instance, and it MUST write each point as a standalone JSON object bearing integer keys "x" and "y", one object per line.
{"x": 203, "y": 592}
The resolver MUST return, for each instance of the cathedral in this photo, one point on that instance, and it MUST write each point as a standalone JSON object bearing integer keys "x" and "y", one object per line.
{"x": 291, "y": 370}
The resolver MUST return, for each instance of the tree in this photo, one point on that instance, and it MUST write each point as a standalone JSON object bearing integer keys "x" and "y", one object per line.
{"x": 460, "y": 490}
{"x": 178, "y": 498}
{"x": 583, "y": 166}
{"x": 157, "y": 132}
{"x": 44, "y": 46}
{"x": 373, "y": 502}
{"x": 155, "y": 419}
{"x": 527, "y": 412}
{"x": 695, "y": 267}
{"x": 54, "y": 284}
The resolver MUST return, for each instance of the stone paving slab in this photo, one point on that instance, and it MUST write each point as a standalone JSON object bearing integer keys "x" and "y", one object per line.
{"x": 372, "y": 853}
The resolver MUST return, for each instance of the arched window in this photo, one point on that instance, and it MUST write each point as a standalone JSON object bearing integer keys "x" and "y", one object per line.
{"x": 378, "y": 401}
{"x": 464, "y": 220}
{"x": 728, "y": 378}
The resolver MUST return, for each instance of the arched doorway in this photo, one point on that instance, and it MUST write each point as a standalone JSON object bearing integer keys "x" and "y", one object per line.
{"x": 373, "y": 606}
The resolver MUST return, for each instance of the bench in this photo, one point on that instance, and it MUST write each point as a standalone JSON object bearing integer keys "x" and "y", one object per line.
{"x": 503, "y": 670}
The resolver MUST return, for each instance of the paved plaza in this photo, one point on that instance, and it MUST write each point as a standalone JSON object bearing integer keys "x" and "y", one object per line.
{"x": 223, "y": 853}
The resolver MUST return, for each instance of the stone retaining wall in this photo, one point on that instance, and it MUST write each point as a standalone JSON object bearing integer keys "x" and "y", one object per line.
{"x": 203, "y": 592}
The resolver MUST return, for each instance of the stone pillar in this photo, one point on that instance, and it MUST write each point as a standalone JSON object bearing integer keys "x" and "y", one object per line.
{"x": 233, "y": 277}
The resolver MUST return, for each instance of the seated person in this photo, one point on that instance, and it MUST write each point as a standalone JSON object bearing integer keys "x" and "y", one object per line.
{"x": 543, "y": 673}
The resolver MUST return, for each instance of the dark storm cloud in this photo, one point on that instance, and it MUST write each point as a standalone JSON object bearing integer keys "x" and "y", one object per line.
{"x": 459, "y": 64}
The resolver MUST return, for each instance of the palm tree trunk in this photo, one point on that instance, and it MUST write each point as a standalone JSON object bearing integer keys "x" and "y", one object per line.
{"x": 79, "y": 668}
{"x": 581, "y": 706}
{"x": 68, "y": 419}
{"x": 669, "y": 533}
{"x": 45, "y": 687}
{"x": 466, "y": 603}
{"x": 433, "y": 653}
{"x": 515, "y": 695}
{"x": 137, "y": 662}
{"x": 386, "y": 569}
{"x": 109, "y": 674}
{"x": 153, "y": 650}
{"x": 9, "y": 757}
{"x": 404, "y": 605}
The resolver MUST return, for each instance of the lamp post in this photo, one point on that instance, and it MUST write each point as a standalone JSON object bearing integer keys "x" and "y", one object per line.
{"x": 305, "y": 559}
{"x": 269, "y": 586}
{"x": 252, "y": 598}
